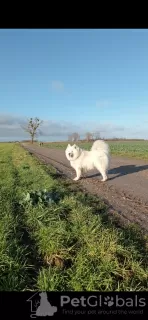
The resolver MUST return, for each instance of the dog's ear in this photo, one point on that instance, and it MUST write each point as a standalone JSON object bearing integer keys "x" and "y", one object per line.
{"x": 69, "y": 145}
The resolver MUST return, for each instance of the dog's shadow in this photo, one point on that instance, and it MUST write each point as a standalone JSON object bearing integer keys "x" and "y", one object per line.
{"x": 122, "y": 171}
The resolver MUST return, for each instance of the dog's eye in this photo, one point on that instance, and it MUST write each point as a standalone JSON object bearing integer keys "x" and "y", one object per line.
{"x": 75, "y": 147}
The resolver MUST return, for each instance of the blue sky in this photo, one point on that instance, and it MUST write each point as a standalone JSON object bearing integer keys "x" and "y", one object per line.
{"x": 75, "y": 79}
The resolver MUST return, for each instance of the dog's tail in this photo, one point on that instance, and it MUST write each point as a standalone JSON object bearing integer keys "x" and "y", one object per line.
{"x": 101, "y": 146}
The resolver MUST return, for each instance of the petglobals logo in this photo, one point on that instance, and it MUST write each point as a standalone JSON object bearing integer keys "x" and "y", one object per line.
{"x": 99, "y": 301}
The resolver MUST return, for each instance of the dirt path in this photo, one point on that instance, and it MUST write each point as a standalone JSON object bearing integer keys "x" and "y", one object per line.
{"x": 126, "y": 191}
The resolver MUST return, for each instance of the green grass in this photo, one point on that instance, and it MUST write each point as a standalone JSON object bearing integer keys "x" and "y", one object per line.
{"x": 130, "y": 149}
{"x": 70, "y": 245}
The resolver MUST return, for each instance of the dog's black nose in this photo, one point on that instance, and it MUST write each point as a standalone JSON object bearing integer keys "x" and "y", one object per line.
{"x": 70, "y": 155}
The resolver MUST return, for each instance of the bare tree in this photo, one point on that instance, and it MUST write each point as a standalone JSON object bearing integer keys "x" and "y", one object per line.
{"x": 89, "y": 136}
{"x": 32, "y": 127}
{"x": 70, "y": 137}
{"x": 75, "y": 136}
{"x": 96, "y": 135}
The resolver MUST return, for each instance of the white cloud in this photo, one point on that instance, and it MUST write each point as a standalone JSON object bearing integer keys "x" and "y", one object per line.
{"x": 102, "y": 103}
{"x": 57, "y": 86}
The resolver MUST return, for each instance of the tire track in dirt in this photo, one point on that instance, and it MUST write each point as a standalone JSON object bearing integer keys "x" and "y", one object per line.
{"x": 126, "y": 191}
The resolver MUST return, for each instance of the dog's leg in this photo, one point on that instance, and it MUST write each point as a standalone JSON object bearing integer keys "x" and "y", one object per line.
{"x": 105, "y": 177}
{"x": 78, "y": 174}
{"x": 103, "y": 173}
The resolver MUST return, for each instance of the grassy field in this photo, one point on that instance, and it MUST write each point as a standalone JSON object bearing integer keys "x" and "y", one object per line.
{"x": 130, "y": 149}
{"x": 68, "y": 244}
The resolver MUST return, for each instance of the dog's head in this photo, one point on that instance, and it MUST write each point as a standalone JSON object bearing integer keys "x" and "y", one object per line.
{"x": 72, "y": 152}
{"x": 43, "y": 294}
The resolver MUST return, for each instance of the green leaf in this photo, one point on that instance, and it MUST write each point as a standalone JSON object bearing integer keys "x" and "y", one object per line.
{"x": 27, "y": 196}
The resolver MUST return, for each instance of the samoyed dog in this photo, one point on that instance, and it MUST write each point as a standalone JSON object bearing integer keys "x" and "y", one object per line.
{"x": 83, "y": 161}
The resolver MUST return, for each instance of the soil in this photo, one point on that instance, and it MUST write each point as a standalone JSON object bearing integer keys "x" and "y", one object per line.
{"x": 126, "y": 191}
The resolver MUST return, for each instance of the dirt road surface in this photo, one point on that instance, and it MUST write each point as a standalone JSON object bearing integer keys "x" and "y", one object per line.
{"x": 126, "y": 191}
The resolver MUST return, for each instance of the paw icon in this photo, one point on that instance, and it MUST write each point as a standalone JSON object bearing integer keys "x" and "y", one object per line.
{"x": 109, "y": 301}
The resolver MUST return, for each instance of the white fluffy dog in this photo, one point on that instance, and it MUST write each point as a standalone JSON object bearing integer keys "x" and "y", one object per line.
{"x": 83, "y": 161}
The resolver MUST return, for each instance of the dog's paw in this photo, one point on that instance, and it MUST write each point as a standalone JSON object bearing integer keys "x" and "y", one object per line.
{"x": 75, "y": 179}
{"x": 104, "y": 179}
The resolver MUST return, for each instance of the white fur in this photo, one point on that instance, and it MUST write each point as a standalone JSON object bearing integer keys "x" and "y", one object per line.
{"x": 83, "y": 161}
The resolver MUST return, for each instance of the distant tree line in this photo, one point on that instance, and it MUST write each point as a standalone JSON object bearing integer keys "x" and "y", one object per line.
{"x": 89, "y": 136}
{"x": 32, "y": 127}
